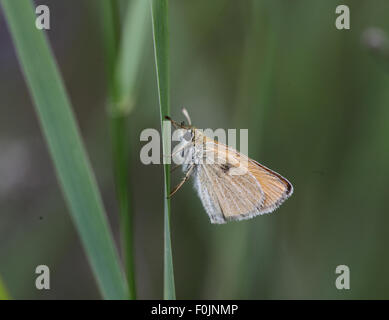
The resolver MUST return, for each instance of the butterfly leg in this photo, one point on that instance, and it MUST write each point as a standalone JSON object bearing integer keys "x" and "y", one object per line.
{"x": 174, "y": 123}
{"x": 177, "y": 187}
{"x": 175, "y": 167}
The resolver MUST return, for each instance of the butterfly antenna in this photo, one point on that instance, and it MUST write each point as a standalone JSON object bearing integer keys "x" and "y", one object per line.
{"x": 174, "y": 123}
{"x": 186, "y": 114}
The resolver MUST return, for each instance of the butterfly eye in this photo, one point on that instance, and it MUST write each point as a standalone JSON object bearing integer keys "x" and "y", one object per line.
{"x": 188, "y": 136}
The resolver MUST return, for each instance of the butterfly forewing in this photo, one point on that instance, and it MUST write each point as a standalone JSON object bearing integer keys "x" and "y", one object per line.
{"x": 231, "y": 194}
{"x": 275, "y": 187}
{"x": 236, "y": 195}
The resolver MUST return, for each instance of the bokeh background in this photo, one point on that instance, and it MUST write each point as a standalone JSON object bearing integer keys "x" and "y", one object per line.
{"x": 316, "y": 102}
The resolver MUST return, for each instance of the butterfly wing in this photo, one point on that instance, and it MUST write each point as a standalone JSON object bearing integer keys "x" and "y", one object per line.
{"x": 228, "y": 196}
{"x": 207, "y": 194}
{"x": 275, "y": 187}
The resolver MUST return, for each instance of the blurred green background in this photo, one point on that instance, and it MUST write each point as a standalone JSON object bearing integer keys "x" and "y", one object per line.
{"x": 315, "y": 100}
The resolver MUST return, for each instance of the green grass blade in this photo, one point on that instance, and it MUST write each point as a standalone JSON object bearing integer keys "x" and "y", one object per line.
{"x": 121, "y": 163}
{"x": 129, "y": 56}
{"x": 110, "y": 30}
{"x": 135, "y": 30}
{"x": 159, "y": 10}
{"x": 4, "y": 295}
{"x": 123, "y": 51}
{"x": 62, "y": 135}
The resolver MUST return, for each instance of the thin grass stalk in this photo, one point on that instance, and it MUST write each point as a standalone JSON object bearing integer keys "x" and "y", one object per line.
{"x": 124, "y": 48}
{"x": 118, "y": 121}
{"x": 121, "y": 163}
{"x": 159, "y": 14}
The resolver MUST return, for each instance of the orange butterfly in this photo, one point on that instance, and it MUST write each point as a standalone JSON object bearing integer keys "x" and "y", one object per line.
{"x": 231, "y": 186}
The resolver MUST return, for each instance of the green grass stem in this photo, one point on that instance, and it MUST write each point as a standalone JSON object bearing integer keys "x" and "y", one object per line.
{"x": 159, "y": 9}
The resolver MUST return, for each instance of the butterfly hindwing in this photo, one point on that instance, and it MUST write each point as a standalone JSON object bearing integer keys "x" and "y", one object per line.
{"x": 230, "y": 194}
